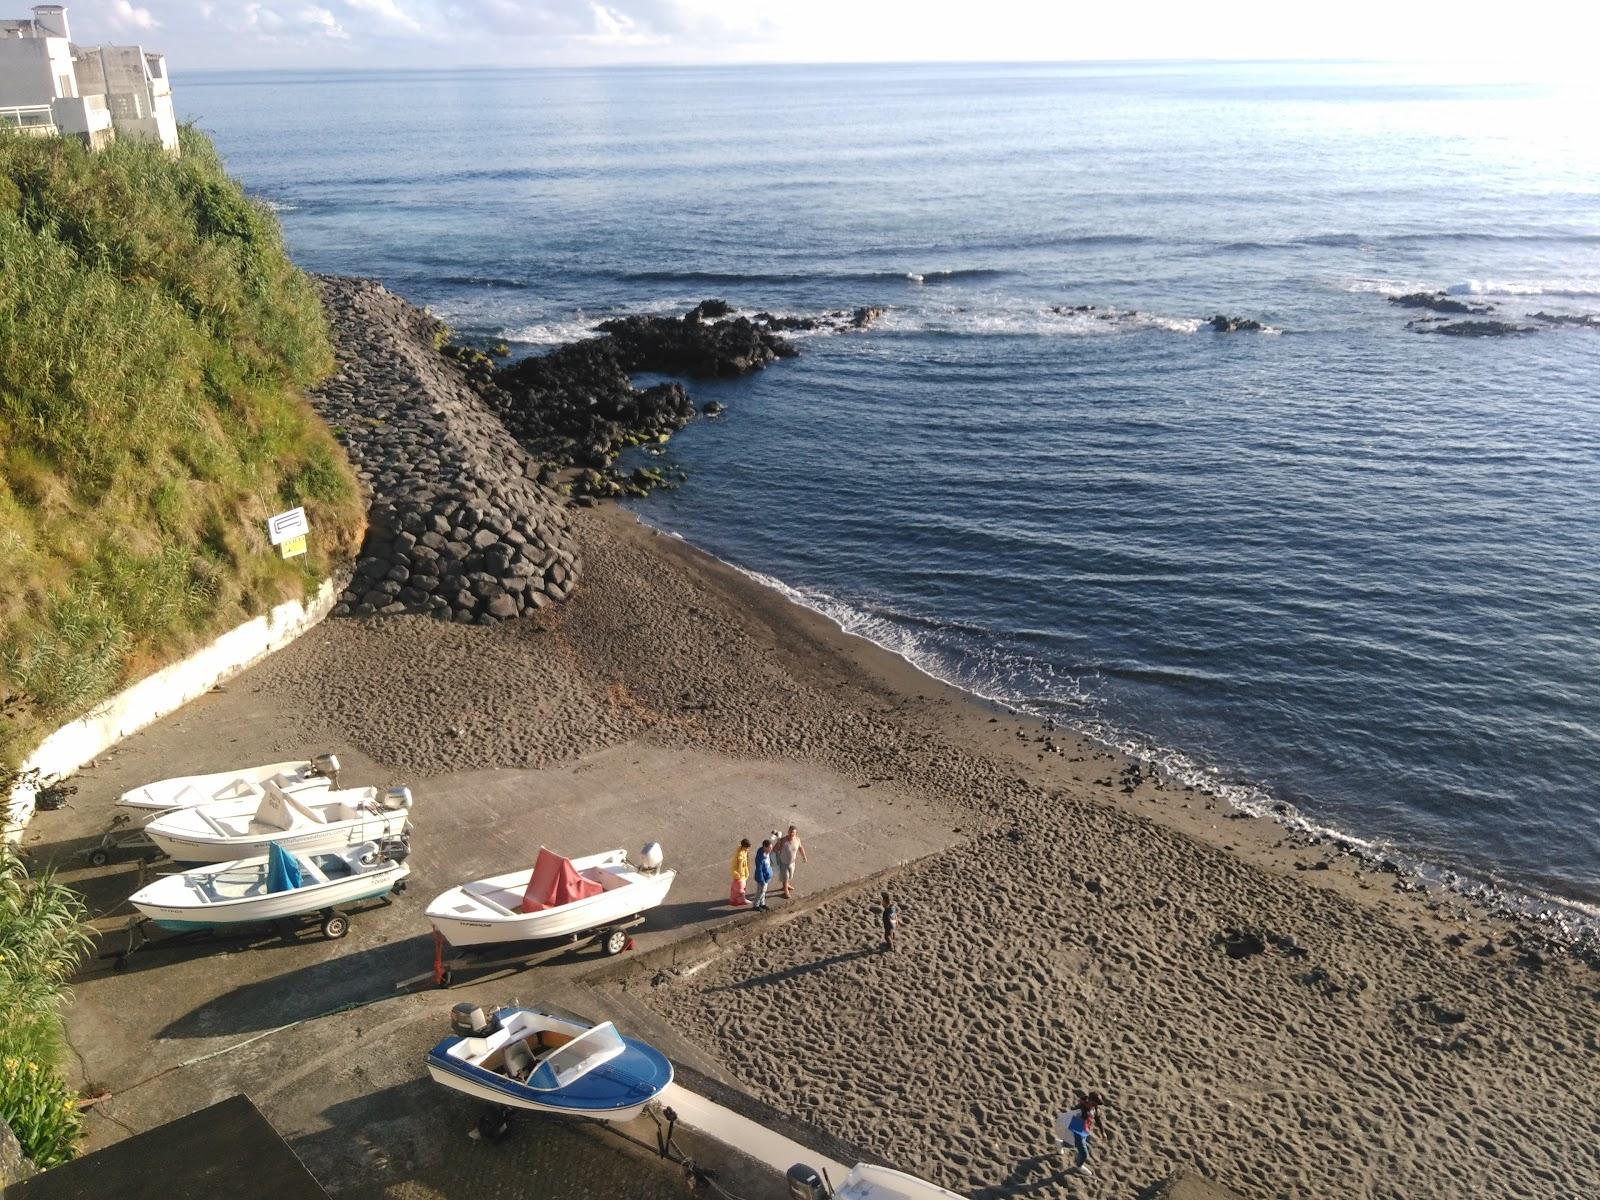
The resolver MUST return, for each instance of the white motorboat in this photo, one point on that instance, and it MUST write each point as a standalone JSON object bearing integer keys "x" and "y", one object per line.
{"x": 554, "y": 898}
{"x": 225, "y": 830}
{"x": 276, "y": 886}
{"x": 524, "y": 1058}
{"x": 865, "y": 1182}
{"x": 242, "y": 783}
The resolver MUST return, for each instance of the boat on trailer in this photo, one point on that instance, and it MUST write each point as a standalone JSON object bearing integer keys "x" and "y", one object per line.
{"x": 555, "y": 898}
{"x": 227, "y": 830}
{"x": 241, "y": 783}
{"x": 523, "y": 1058}
{"x": 279, "y": 886}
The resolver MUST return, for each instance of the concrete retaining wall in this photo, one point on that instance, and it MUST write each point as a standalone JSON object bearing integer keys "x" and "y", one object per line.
{"x": 169, "y": 689}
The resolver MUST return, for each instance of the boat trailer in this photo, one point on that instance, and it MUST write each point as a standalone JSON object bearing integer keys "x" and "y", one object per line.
{"x": 611, "y": 939}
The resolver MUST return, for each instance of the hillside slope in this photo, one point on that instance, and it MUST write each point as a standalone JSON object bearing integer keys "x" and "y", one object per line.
{"x": 155, "y": 343}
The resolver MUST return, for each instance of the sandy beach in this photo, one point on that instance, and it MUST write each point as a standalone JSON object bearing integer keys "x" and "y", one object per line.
{"x": 1368, "y": 1041}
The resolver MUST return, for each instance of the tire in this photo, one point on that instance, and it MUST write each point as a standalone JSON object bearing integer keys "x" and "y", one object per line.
{"x": 99, "y": 856}
{"x": 613, "y": 941}
{"x": 494, "y": 1124}
{"x": 335, "y": 925}
{"x": 120, "y": 963}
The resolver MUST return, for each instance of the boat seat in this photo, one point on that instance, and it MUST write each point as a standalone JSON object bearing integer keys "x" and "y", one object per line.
{"x": 333, "y": 866}
{"x": 519, "y": 1060}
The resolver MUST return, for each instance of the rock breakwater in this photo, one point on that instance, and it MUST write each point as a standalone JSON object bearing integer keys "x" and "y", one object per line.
{"x": 459, "y": 526}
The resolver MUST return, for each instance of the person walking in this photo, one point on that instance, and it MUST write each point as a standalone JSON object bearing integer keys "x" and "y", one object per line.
{"x": 891, "y": 921}
{"x": 763, "y": 873}
{"x": 791, "y": 851}
{"x": 1074, "y": 1128}
{"x": 737, "y": 894}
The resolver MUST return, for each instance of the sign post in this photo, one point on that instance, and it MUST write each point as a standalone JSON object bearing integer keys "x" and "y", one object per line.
{"x": 288, "y": 532}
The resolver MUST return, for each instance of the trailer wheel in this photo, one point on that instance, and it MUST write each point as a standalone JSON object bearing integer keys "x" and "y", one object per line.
{"x": 613, "y": 941}
{"x": 120, "y": 963}
{"x": 494, "y": 1123}
{"x": 99, "y": 856}
{"x": 335, "y": 925}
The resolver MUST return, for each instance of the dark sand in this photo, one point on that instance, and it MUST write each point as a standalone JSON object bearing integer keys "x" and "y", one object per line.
{"x": 1381, "y": 1044}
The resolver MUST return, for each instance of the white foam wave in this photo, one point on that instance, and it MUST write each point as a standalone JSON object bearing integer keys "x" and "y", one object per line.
{"x": 280, "y": 206}
{"x": 1573, "y": 288}
{"x": 552, "y": 333}
{"x": 1010, "y": 319}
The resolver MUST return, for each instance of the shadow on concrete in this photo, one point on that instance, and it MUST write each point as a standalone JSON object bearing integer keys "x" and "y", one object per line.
{"x": 418, "y": 1136}
{"x": 810, "y": 968}
{"x": 297, "y": 995}
{"x": 1030, "y": 1175}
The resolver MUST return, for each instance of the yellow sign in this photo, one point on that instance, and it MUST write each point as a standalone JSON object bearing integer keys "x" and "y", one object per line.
{"x": 293, "y": 547}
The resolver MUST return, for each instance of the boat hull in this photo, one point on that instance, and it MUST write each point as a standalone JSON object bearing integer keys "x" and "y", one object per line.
{"x": 273, "y": 906}
{"x": 203, "y": 789}
{"x": 617, "y": 1091}
{"x": 183, "y": 847}
{"x": 585, "y": 916}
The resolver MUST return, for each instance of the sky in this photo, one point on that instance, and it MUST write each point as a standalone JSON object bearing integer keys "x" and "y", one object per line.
{"x": 1554, "y": 36}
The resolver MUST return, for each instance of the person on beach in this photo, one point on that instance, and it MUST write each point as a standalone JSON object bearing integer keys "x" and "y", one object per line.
{"x": 1075, "y": 1127}
{"x": 791, "y": 851}
{"x": 763, "y": 873}
{"x": 891, "y": 921}
{"x": 738, "y": 896}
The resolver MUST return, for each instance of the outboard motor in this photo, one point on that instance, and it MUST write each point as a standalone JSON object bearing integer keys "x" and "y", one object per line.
{"x": 806, "y": 1184}
{"x": 397, "y": 798}
{"x": 328, "y": 765}
{"x": 395, "y": 849}
{"x": 468, "y": 1020}
{"x": 650, "y": 858}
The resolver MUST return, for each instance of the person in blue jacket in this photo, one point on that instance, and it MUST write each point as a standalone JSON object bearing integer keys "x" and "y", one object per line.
{"x": 763, "y": 873}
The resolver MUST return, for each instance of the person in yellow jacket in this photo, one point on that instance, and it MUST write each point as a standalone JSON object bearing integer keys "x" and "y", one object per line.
{"x": 741, "y": 873}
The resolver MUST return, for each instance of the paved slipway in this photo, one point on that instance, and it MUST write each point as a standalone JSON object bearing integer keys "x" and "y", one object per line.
{"x": 1287, "y": 1030}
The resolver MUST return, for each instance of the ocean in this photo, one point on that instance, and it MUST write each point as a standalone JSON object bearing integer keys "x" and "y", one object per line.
{"x": 1343, "y": 567}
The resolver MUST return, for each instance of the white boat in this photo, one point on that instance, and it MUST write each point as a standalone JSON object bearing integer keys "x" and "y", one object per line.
{"x": 524, "y": 1058}
{"x": 866, "y": 1182}
{"x": 554, "y": 898}
{"x": 251, "y": 892}
{"x": 186, "y": 791}
{"x": 225, "y": 830}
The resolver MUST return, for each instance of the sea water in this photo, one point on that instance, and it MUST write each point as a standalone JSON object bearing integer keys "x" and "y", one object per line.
{"x": 1339, "y": 566}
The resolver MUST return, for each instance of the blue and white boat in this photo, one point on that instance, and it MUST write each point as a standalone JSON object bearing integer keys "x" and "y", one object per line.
{"x": 277, "y": 886}
{"x": 523, "y": 1058}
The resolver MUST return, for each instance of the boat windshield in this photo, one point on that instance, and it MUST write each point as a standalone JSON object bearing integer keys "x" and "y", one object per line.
{"x": 577, "y": 1058}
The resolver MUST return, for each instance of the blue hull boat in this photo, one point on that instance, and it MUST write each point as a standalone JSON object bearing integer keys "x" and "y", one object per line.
{"x": 523, "y": 1058}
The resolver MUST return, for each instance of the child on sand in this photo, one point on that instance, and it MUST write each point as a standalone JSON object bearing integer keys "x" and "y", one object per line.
{"x": 763, "y": 873}
{"x": 891, "y": 921}
{"x": 741, "y": 872}
{"x": 1074, "y": 1128}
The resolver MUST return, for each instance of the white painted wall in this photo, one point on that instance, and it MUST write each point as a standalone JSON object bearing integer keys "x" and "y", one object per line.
{"x": 168, "y": 690}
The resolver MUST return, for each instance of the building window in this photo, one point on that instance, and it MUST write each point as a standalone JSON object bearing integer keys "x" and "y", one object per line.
{"x": 68, "y": 86}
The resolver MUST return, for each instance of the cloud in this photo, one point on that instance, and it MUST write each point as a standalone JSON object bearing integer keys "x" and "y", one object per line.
{"x": 130, "y": 16}
{"x": 388, "y": 12}
{"x": 322, "y": 22}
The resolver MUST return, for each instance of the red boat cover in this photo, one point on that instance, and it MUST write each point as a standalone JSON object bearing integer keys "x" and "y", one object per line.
{"x": 555, "y": 882}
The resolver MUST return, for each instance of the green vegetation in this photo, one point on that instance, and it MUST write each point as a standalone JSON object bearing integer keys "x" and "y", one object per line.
{"x": 42, "y": 937}
{"x": 155, "y": 343}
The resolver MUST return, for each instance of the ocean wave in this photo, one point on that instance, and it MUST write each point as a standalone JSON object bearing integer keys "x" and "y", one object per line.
{"x": 756, "y": 278}
{"x": 279, "y": 206}
{"x": 1008, "y": 320}
{"x": 1574, "y": 289}
{"x": 552, "y": 332}
{"x": 486, "y": 281}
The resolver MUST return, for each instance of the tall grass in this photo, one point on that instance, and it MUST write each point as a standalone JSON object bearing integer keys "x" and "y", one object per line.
{"x": 155, "y": 342}
{"x": 43, "y": 935}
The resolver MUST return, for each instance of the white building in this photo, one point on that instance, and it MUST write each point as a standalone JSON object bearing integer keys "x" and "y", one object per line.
{"x": 49, "y": 86}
